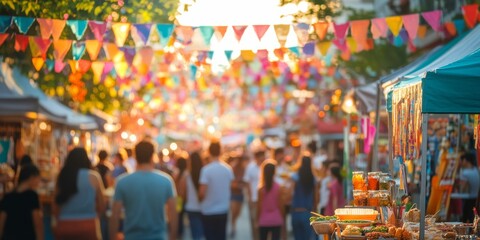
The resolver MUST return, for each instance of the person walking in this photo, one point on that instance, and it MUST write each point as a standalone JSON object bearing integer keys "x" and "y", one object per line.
{"x": 237, "y": 198}
{"x": 252, "y": 176}
{"x": 470, "y": 177}
{"x": 179, "y": 176}
{"x": 20, "y": 213}
{"x": 336, "y": 198}
{"x": 104, "y": 168}
{"x": 283, "y": 172}
{"x": 120, "y": 166}
{"x": 215, "y": 180}
{"x": 270, "y": 205}
{"x": 79, "y": 199}
{"x": 145, "y": 195}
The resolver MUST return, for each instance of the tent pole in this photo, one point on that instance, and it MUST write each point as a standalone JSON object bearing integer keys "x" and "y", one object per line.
{"x": 423, "y": 184}
{"x": 377, "y": 131}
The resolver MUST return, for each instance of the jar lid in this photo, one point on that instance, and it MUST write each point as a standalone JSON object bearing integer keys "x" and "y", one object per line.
{"x": 374, "y": 173}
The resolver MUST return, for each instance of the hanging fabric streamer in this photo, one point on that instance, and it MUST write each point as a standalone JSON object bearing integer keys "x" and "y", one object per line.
{"x": 78, "y": 27}
{"x": 3, "y": 37}
{"x": 97, "y": 69}
{"x": 301, "y": 29}
{"x": 470, "y": 13}
{"x": 57, "y": 28}
{"x": 129, "y": 54}
{"x": 341, "y": 30}
{"x": 309, "y": 49}
{"x": 23, "y": 23}
{"x": 39, "y": 46}
{"x": 379, "y": 28}
{"x": 184, "y": 34}
{"x": 5, "y": 23}
{"x": 282, "y": 32}
{"x": 324, "y": 47}
{"x": 321, "y": 29}
{"x": 59, "y": 66}
{"x": 228, "y": 53}
{"x": 50, "y": 64}
{"x": 459, "y": 25}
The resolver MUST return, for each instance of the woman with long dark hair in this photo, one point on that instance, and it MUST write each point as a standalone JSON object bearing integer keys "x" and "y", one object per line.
{"x": 304, "y": 200}
{"x": 191, "y": 183}
{"x": 270, "y": 205}
{"x": 79, "y": 198}
{"x": 336, "y": 198}
{"x": 179, "y": 176}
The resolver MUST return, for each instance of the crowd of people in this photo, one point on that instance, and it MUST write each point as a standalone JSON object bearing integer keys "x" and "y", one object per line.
{"x": 155, "y": 196}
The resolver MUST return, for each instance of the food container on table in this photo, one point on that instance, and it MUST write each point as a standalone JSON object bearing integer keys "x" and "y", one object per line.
{"x": 342, "y": 224}
{"x": 323, "y": 227}
{"x": 356, "y": 214}
{"x": 360, "y": 198}
{"x": 373, "y": 199}
{"x": 384, "y": 198}
{"x": 384, "y": 181}
{"x": 373, "y": 181}
{"x": 358, "y": 180}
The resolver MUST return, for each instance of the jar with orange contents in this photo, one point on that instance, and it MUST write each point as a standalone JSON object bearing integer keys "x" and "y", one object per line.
{"x": 373, "y": 180}
{"x": 359, "y": 198}
{"x": 358, "y": 180}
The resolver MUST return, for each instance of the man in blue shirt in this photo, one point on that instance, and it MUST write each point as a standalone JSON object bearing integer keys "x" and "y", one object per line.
{"x": 144, "y": 195}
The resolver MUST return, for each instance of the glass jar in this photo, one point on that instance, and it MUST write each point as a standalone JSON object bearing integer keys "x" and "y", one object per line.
{"x": 373, "y": 180}
{"x": 384, "y": 196}
{"x": 358, "y": 180}
{"x": 385, "y": 181}
{"x": 373, "y": 198}
{"x": 359, "y": 198}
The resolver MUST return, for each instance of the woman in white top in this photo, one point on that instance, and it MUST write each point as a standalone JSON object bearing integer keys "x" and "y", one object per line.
{"x": 191, "y": 185}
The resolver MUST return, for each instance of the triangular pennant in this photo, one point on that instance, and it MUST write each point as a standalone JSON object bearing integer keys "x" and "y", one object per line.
{"x": 46, "y": 26}
{"x": 83, "y": 65}
{"x": 459, "y": 25}
{"x": 184, "y": 34}
{"x": 228, "y": 53}
{"x": 341, "y": 30}
{"x": 59, "y": 66}
{"x": 60, "y": 48}
{"x": 295, "y": 51}
{"x": 21, "y": 42}
{"x": 379, "y": 28}
{"x": 279, "y": 53}
{"x": 346, "y": 55}
{"x": 352, "y": 45}
{"x": 262, "y": 54}
{"x": 193, "y": 71}
{"x": 165, "y": 31}
{"x": 128, "y": 53}
{"x": 220, "y": 32}
{"x": 247, "y": 55}
{"x": 341, "y": 44}
{"x": 120, "y": 31}
{"x": 450, "y": 27}
{"x": 3, "y": 37}
{"x": 93, "y": 48}
{"x": 260, "y": 30}
{"x": 39, "y": 46}
{"x": 210, "y": 54}
{"x": 98, "y": 29}
{"x": 57, "y": 28}
{"x": 398, "y": 41}
{"x": 107, "y": 68}
{"x": 422, "y": 31}
{"x": 321, "y": 29}
{"x": 282, "y": 31}
{"x": 301, "y": 29}
{"x": 324, "y": 47}
{"x": 78, "y": 49}
{"x": 433, "y": 18}
{"x": 359, "y": 30}
{"x": 5, "y": 23}
{"x": 38, "y": 63}
{"x": 394, "y": 24}
{"x": 50, "y": 64}
{"x": 470, "y": 13}
{"x": 141, "y": 33}
{"x": 73, "y": 65}
{"x": 239, "y": 30}
{"x": 121, "y": 69}
{"x": 207, "y": 33}
{"x": 23, "y": 23}
{"x": 411, "y": 23}
{"x": 404, "y": 35}
{"x": 97, "y": 69}
{"x": 78, "y": 27}
{"x": 309, "y": 48}
{"x": 112, "y": 52}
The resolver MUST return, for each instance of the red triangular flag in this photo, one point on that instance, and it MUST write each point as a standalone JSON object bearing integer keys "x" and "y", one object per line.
{"x": 220, "y": 32}
{"x": 341, "y": 30}
{"x": 451, "y": 29}
{"x": 239, "y": 30}
{"x": 411, "y": 23}
{"x": 3, "y": 37}
{"x": 470, "y": 13}
{"x": 46, "y": 26}
{"x": 57, "y": 28}
{"x": 433, "y": 18}
{"x": 260, "y": 30}
{"x": 321, "y": 29}
{"x": 21, "y": 42}
{"x": 83, "y": 65}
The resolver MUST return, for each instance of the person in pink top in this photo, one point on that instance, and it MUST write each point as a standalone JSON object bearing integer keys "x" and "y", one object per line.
{"x": 270, "y": 206}
{"x": 336, "y": 199}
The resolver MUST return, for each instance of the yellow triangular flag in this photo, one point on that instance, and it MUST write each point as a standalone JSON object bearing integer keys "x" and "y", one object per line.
{"x": 395, "y": 24}
{"x": 282, "y": 31}
{"x": 121, "y": 68}
{"x": 97, "y": 69}
{"x": 38, "y": 63}
{"x": 352, "y": 45}
{"x": 120, "y": 30}
{"x": 323, "y": 47}
{"x": 112, "y": 52}
{"x": 73, "y": 65}
{"x": 248, "y": 55}
{"x": 93, "y": 48}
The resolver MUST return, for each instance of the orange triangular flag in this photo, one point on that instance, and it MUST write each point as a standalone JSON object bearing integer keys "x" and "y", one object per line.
{"x": 46, "y": 26}
{"x": 359, "y": 30}
{"x": 60, "y": 48}
{"x": 470, "y": 14}
{"x": 422, "y": 31}
{"x": 84, "y": 65}
{"x": 279, "y": 53}
{"x": 321, "y": 29}
{"x": 112, "y": 52}
{"x": 239, "y": 30}
{"x": 38, "y": 63}
{"x": 395, "y": 24}
{"x": 248, "y": 55}
{"x": 97, "y": 69}
{"x": 120, "y": 30}
{"x": 184, "y": 33}
{"x": 3, "y": 37}
{"x": 57, "y": 28}
{"x": 282, "y": 31}
{"x": 73, "y": 65}
{"x": 39, "y": 46}
{"x": 450, "y": 26}
{"x": 260, "y": 30}
{"x": 220, "y": 32}
{"x": 93, "y": 48}
{"x": 324, "y": 47}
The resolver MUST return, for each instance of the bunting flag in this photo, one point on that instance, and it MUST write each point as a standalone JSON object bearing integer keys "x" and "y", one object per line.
{"x": 121, "y": 69}
{"x": 60, "y": 48}
{"x": 459, "y": 25}
{"x": 341, "y": 44}
{"x": 379, "y": 28}
{"x": 3, "y": 37}
{"x": 450, "y": 27}
{"x": 422, "y": 31}
{"x": 295, "y": 51}
{"x": 107, "y": 68}
{"x": 394, "y": 24}
{"x": 128, "y": 53}
{"x": 165, "y": 31}
{"x": 359, "y": 31}
{"x": 50, "y": 64}
{"x": 93, "y": 48}
{"x": 321, "y": 29}
{"x": 324, "y": 47}
{"x": 46, "y": 26}
{"x": 78, "y": 27}
{"x": 21, "y": 43}
{"x": 78, "y": 49}
{"x": 73, "y": 65}
{"x": 282, "y": 33}
{"x": 309, "y": 49}
{"x": 38, "y": 63}
{"x": 83, "y": 65}
{"x": 59, "y": 66}
{"x": 112, "y": 52}
{"x": 470, "y": 13}
{"x": 260, "y": 30}
{"x": 433, "y": 18}
{"x": 220, "y": 31}
{"x": 120, "y": 30}
{"x": 207, "y": 33}
{"x": 23, "y": 23}
{"x": 39, "y": 46}
{"x": 340, "y": 30}
{"x": 239, "y": 30}
{"x": 97, "y": 69}
{"x": 184, "y": 34}
{"x": 193, "y": 72}
{"x": 301, "y": 29}
{"x": 140, "y": 33}
{"x": 5, "y": 23}
{"x": 411, "y": 23}
{"x": 98, "y": 29}
{"x": 228, "y": 54}
{"x": 57, "y": 28}
{"x": 352, "y": 45}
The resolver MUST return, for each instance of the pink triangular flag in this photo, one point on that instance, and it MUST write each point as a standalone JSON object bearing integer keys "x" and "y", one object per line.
{"x": 57, "y": 28}
{"x": 46, "y": 26}
{"x": 470, "y": 14}
{"x": 341, "y": 44}
{"x": 98, "y": 29}
{"x": 239, "y": 30}
{"x": 60, "y": 49}
{"x": 39, "y": 46}
{"x": 59, "y": 66}
{"x": 260, "y": 30}
{"x": 321, "y": 29}
{"x": 379, "y": 28}
{"x": 341, "y": 30}
{"x": 121, "y": 31}
{"x": 93, "y": 48}
{"x": 395, "y": 24}
{"x": 433, "y": 18}
{"x": 411, "y": 23}
{"x": 185, "y": 33}
{"x": 359, "y": 30}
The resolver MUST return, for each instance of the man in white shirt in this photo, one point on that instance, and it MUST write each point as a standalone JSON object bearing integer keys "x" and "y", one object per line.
{"x": 252, "y": 177}
{"x": 214, "y": 194}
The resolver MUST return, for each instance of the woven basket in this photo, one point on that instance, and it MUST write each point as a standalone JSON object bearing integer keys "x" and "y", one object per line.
{"x": 325, "y": 227}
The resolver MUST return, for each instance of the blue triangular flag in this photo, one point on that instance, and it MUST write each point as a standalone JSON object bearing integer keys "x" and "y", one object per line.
{"x": 309, "y": 48}
{"x": 78, "y": 27}
{"x": 398, "y": 41}
{"x": 165, "y": 31}
{"x": 459, "y": 25}
{"x": 23, "y": 23}
{"x": 78, "y": 49}
{"x": 143, "y": 31}
{"x": 193, "y": 71}
{"x": 228, "y": 53}
{"x": 207, "y": 33}
{"x": 210, "y": 54}
{"x": 50, "y": 64}
{"x": 295, "y": 51}
{"x": 5, "y": 23}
